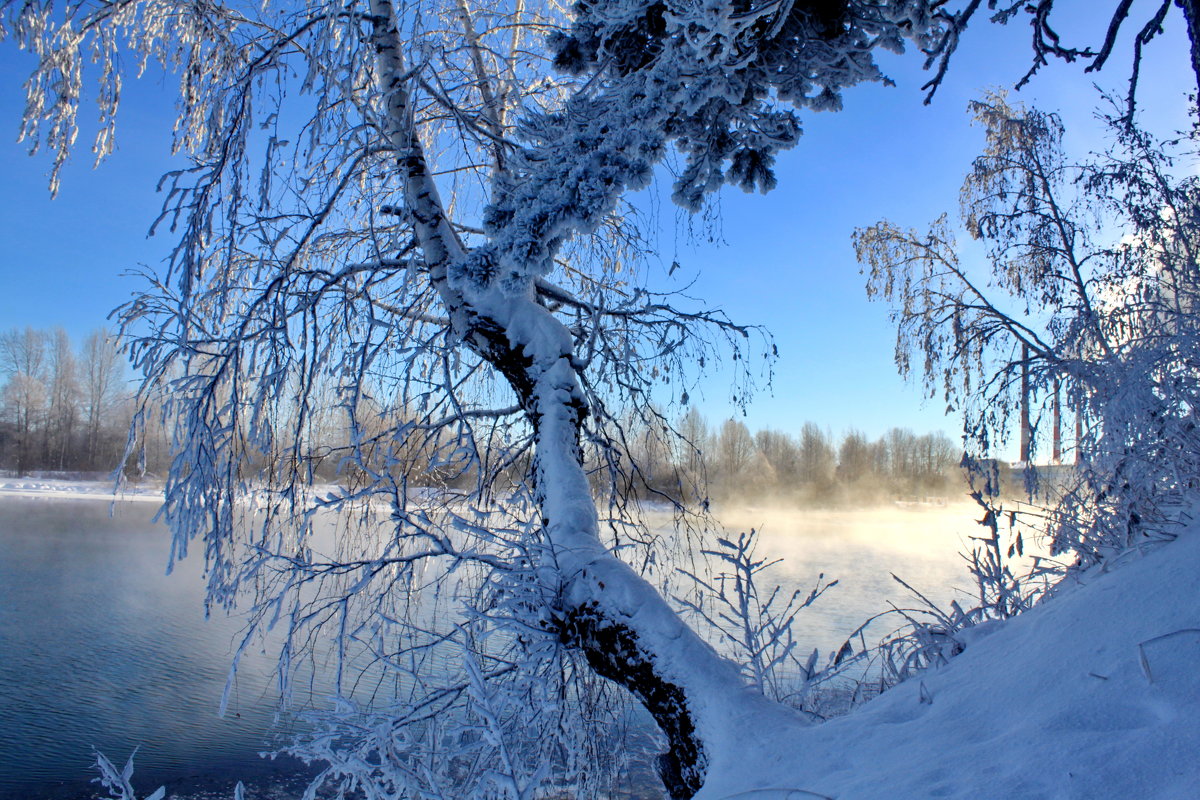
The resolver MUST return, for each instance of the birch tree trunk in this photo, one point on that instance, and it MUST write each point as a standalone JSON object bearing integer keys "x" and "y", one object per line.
{"x": 623, "y": 625}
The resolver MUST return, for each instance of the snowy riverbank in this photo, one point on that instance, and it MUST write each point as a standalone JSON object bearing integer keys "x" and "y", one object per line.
{"x": 1093, "y": 695}
{"x": 66, "y": 489}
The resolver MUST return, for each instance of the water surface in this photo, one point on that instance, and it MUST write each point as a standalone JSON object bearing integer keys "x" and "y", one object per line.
{"x": 862, "y": 549}
{"x": 100, "y": 648}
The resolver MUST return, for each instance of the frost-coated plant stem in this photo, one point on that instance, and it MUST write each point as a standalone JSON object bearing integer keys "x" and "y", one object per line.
{"x": 757, "y": 625}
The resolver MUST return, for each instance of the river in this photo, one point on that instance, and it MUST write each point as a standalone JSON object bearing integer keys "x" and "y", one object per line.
{"x": 99, "y": 648}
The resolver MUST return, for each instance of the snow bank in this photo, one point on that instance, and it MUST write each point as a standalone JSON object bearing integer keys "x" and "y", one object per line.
{"x": 57, "y": 488}
{"x": 1095, "y": 694}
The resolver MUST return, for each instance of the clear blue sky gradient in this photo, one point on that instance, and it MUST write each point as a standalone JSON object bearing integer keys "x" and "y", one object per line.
{"x": 784, "y": 261}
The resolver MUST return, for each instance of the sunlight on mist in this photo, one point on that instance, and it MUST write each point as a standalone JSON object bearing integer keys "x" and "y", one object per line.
{"x": 923, "y": 544}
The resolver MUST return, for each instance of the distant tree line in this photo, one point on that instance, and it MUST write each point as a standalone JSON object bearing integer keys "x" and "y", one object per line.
{"x": 729, "y": 462}
{"x": 68, "y": 408}
{"x": 62, "y": 407}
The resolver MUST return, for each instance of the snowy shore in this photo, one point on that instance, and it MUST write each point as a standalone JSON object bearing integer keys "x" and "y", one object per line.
{"x": 67, "y": 489}
{"x": 1093, "y": 695}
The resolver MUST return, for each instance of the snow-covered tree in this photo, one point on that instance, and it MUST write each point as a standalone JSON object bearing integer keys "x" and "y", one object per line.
{"x": 402, "y": 198}
{"x": 1088, "y": 303}
{"x": 402, "y": 201}
{"x": 399, "y": 199}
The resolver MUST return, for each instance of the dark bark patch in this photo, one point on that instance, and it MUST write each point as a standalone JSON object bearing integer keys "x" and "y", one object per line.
{"x": 612, "y": 650}
{"x": 490, "y": 340}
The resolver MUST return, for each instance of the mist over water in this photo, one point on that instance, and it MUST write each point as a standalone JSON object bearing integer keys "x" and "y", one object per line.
{"x": 861, "y": 549}
{"x": 102, "y": 649}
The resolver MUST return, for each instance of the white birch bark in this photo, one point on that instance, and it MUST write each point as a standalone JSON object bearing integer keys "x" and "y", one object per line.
{"x": 627, "y": 630}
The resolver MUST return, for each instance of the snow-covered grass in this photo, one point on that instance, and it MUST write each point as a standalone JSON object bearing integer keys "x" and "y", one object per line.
{"x": 1093, "y": 694}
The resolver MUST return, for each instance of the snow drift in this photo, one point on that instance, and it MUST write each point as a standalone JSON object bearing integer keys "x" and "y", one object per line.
{"x": 1094, "y": 694}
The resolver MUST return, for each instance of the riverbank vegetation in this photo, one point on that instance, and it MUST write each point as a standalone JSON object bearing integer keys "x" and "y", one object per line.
{"x": 730, "y": 462}
{"x": 63, "y": 407}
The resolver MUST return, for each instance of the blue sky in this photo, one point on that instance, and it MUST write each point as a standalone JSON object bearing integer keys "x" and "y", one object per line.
{"x": 783, "y": 260}
{"x": 787, "y": 260}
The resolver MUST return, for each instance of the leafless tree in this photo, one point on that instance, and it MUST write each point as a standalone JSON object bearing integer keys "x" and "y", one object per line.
{"x": 1047, "y": 40}
{"x": 23, "y": 361}
{"x": 403, "y": 202}
{"x": 62, "y": 412}
{"x": 817, "y": 457}
{"x": 1089, "y": 296}
{"x": 101, "y": 369}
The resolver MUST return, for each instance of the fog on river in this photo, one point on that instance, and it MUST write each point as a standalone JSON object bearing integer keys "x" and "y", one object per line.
{"x": 102, "y": 649}
{"x": 861, "y": 549}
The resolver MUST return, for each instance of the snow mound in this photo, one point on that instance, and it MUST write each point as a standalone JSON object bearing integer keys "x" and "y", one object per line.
{"x": 1095, "y": 694}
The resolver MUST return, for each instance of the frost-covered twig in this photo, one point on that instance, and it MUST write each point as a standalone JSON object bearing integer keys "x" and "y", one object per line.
{"x": 757, "y": 628}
